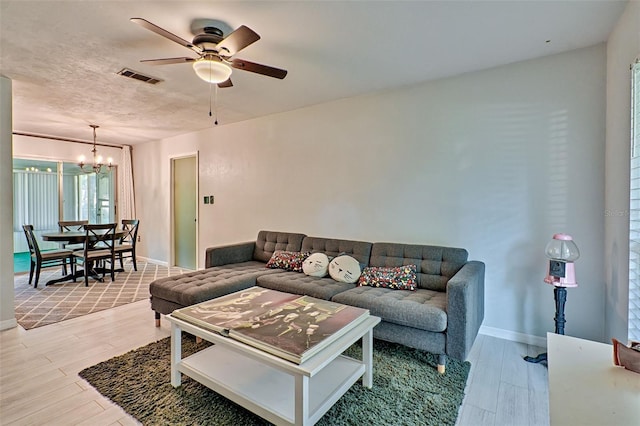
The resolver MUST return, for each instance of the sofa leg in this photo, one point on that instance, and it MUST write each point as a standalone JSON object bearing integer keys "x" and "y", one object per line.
{"x": 442, "y": 361}
{"x": 157, "y": 319}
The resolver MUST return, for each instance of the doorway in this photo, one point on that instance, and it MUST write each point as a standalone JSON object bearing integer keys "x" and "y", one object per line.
{"x": 184, "y": 191}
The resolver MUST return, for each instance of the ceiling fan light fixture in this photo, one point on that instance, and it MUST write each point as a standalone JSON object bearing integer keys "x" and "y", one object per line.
{"x": 212, "y": 71}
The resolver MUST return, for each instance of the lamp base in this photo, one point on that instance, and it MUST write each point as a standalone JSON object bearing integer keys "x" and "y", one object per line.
{"x": 560, "y": 297}
{"x": 540, "y": 358}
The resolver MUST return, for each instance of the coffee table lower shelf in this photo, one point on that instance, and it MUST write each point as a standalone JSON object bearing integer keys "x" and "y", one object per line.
{"x": 265, "y": 390}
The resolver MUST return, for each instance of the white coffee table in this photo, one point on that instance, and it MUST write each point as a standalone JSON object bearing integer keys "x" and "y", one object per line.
{"x": 277, "y": 390}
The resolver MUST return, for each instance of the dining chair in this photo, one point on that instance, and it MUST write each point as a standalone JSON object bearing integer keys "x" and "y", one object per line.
{"x": 71, "y": 226}
{"x": 43, "y": 259}
{"x": 99, "y": 246}
{"x": 126, "y": 247}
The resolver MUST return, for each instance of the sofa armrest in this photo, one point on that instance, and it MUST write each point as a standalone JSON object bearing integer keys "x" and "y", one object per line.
{"x": 465, "y": 308}
{"x": 224, "y": 255}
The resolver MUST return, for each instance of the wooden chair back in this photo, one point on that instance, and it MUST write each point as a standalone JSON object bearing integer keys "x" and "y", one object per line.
{"x": 40, "y": 260}
{"x": 72, "y": 225}
{"x": 34, "y": 249}
{"x": 100, "y": 237}
{"x": 130, "y": 228}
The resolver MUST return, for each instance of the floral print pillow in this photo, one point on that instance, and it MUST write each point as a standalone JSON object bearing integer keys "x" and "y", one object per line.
{"x": 287, "y": 260}
{"x": 396, "y": 278}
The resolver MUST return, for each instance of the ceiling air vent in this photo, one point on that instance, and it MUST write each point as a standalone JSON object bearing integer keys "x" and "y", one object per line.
{"x": 134, "y": 74}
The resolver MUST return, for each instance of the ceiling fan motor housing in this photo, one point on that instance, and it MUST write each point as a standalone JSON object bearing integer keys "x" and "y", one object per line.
{"x": 208, "y": 41}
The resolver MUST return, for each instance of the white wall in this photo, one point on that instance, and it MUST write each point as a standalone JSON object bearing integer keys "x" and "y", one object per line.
{"x": 7, "y": 316}
{"x": 494, "y": 161}
{"x": 623, "y": 47}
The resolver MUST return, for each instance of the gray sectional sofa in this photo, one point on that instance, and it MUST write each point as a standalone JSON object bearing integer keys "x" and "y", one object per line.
{"x": 442, "y": 316}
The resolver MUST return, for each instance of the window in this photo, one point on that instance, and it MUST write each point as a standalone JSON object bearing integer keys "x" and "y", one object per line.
{"x": 47, "y": 191}
{"x": 35, "y": 197}
{"x": 634, "y": 208}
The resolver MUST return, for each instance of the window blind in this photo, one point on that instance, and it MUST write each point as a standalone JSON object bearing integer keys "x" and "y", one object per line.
{"x": 634, "y": 208}
{"x": 35, "y": 200}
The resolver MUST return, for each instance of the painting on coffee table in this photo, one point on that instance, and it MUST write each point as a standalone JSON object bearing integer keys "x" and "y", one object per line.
{"x": 290, "y": 326}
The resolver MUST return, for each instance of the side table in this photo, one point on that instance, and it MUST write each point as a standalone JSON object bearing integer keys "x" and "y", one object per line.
{"x": 585, "y": 388}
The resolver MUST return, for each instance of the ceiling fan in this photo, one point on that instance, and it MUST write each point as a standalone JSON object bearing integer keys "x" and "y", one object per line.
{"x": 215, "y": 53}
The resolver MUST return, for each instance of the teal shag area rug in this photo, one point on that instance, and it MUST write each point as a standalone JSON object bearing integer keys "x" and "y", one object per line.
{"x": 407, "y": 390}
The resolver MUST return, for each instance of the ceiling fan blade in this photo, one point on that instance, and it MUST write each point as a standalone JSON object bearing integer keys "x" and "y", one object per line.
{"x": 224, "y": 84}
{"x": 241, "y": 64}
{"x": 166, "y": 61}
{"x": 166, "y": 34}
{"x": 237, "y": 40}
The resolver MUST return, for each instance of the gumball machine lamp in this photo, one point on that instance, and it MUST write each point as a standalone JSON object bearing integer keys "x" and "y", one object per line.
{"x": 562, "y": 253}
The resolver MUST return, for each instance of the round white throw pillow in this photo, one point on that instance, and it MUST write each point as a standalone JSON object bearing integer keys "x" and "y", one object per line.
{"x": 344, "y": 269}
{"x": 316, "y": 265}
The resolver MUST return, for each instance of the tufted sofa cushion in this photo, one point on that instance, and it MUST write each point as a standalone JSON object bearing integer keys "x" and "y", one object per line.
{"x": 421, "y": 309}
{"x": 199, "y": 286}
{"x": 297, "y": 283}
{"x": 435, "y": 265}
{"x": 269, "y": 241}
{"x": 359, "y": 250}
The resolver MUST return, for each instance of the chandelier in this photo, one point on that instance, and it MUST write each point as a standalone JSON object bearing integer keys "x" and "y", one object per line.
{"x": 97, "y": 165}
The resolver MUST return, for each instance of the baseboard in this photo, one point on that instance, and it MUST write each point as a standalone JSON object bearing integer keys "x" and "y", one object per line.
{"x": 154, "y": 261}
{"x": 7, "y": 324}
{"x": 514, "y": 336}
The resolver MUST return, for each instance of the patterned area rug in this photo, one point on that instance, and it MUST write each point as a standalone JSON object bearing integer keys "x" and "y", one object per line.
{"x": 407, "y": 390}
{"x": 44, "y": 305}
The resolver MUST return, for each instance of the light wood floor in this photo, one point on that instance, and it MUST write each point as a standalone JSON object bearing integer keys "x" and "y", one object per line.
{"x": 39, "y": 383}
{"x": 502, "y": 388}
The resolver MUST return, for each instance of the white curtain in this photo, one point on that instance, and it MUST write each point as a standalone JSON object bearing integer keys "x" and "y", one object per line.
{"x": 126, "y": 203}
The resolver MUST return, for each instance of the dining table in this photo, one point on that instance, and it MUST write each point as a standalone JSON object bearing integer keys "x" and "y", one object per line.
{"x": 76, "y": 237}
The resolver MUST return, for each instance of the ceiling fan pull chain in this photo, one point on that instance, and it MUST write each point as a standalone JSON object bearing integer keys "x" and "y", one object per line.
{"x": 216, "y": 105}
{"x": 215, "y": 100}
{"x": 210, "y": 100}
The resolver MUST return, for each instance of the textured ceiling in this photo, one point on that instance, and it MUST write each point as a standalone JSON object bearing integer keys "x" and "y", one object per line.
{"x": 63, "y": 55}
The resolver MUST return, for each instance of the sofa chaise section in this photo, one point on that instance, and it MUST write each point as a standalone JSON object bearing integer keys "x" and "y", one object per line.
{"x": 228, "y": 269}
